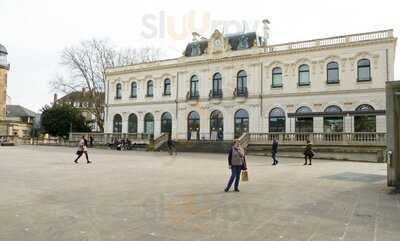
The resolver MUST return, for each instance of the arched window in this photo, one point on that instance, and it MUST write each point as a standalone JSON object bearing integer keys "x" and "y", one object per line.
{"x": 217, "y": 85}
{"x": 333, "y": 109}
{"x": 149, "y": 124}
{"x": 332, "y": 71}
{"x": 241, "y": 85}
{"x": 117, "y": 124}
{"x": 167, "y": 87}
{"x": 364, "y": 122}
{"x": 118, "y": 91}
{"x": 133, "y": 90}
{"x": 277, "y": 77}
{"x": 216, "y": 125}
{"x": 166, "y": 123}
{"x": 333, "y": 120}
{"x": 194, "y": 86}
{"x": 364, "y": 70}
{"x": 304, "y": 75}
{"x": 193, "y": 126}
{"x": 132, "y": 123}
{"x": 241, "y": 122}
{"x": 150, "y": 88}
{"x": 304, "y": 123}
{"x": 277, "y": 120}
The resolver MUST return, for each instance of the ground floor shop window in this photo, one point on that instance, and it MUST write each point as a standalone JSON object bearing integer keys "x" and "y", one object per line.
{"x": 149, "y": 124}
{"x": 277, "y": 120}
{"x": 216, "y": 125}
{"x": 241, "y": 122}
{"x": 193, "y": 126}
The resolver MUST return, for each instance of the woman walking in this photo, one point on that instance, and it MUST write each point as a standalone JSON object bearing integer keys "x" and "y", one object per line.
{"x": 237, "y": 163}
{"x": 82, "y": 149}
{"x": 308, "y": 153}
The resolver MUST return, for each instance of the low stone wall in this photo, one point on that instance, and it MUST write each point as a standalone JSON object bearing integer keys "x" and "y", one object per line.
{"x": 337, "y": 152}
{"x": 201, "y": 146}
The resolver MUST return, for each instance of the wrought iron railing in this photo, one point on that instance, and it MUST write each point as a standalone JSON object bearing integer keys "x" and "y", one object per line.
{"x": 215, "y": 94}
{"x": 241, "y": 92}
{"x": 192, "y": 95}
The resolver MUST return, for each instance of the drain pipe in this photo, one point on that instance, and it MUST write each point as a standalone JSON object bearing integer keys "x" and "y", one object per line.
{"x": 387, "y": 66}
{"x": 261, "y": 97}
{"x": 176, "y": 105}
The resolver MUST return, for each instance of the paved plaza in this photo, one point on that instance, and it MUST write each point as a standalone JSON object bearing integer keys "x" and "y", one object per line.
{"x": 153, "y": 196}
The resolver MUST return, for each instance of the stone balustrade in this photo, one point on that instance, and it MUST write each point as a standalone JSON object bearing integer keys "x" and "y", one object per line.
{"x": 359, "y": 138}
{"x": 331, "y": 41}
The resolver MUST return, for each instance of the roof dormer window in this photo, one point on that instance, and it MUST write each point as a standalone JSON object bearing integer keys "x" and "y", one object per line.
{"x": 195, "y": 49}
{"x": 243, "y": 42}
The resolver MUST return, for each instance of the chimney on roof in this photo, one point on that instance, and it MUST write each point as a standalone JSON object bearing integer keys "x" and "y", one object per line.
{"x": 266, "y": 31}
{"x": 196, "y": 36}
{"x": 55, "y": 99}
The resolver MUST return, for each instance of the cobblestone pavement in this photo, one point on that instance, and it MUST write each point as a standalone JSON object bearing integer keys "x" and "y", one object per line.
{"x": 153, "y": 196}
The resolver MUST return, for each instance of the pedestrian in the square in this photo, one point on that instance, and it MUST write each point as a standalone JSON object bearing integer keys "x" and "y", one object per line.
{"x": 308, "y": 153}
{"x": 171, "y": 146}
{"x": 91, "y": 140}
{"x": 274, "y": 152}
{"x": 220, "y": 134}
{"x": 82, "y": 149}
{"x": 237, "y": 163}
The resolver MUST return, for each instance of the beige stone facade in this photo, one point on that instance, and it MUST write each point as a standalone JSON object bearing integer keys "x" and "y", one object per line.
{"x": 271, "y": 102}
{"x": 3, "y": 93}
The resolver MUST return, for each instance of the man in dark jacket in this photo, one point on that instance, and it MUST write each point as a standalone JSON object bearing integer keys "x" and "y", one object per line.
{"x": 274, "y": 152}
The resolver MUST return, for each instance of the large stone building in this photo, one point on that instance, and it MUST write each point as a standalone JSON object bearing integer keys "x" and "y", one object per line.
{"x": 239, "y": 83}
{"x": 84, "y": 101}
{"x": 4, "y": 67}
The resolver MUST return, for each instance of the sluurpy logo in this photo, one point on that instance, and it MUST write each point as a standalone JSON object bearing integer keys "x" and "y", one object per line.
{"x": 161, "y": 25}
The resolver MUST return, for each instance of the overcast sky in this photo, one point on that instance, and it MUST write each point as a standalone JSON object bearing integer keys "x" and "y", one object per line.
{"x": 35, "y": 32}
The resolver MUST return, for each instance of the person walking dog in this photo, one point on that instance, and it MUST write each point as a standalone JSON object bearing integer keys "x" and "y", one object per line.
{"x": 237, "y": 163}
{"x": 274, "y": 152}
{"x": 308, "y": 153}
{"x": 82, "y": 149}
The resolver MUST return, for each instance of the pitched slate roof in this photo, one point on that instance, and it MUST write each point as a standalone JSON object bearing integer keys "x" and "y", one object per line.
{"x": 3, "y": 49}
{"x": 78, "y": 96}
{"x": 19, "y": 111}
{"x": 203, "y": 47}
{"x": 233, "y": 40}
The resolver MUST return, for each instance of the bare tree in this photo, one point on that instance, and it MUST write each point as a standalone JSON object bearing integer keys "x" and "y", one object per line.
{"x": 88, "y": 62}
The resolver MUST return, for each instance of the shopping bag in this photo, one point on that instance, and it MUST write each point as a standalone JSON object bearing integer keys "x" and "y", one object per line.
{"x": 245, "y": 176}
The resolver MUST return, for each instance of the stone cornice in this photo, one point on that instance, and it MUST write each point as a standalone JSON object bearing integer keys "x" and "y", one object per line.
{"x": 252, "y": 97}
